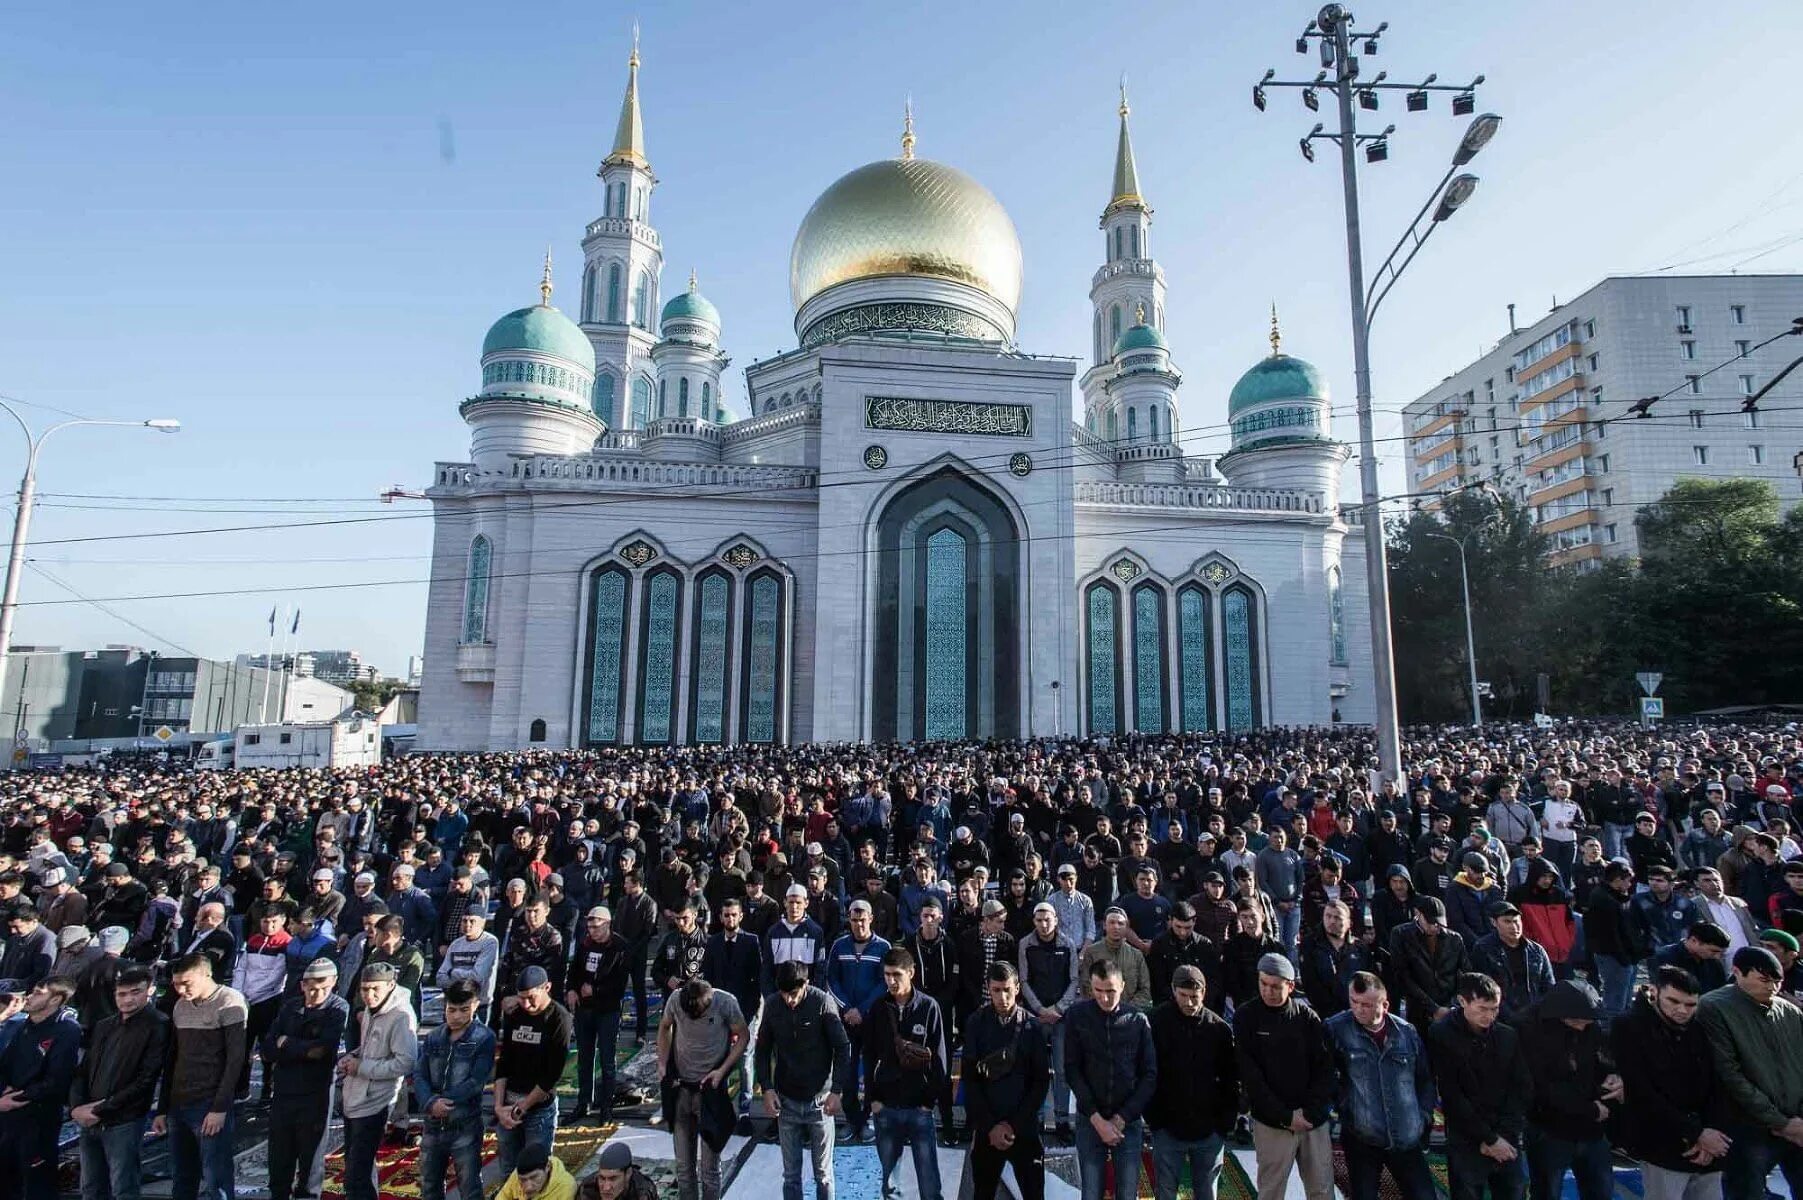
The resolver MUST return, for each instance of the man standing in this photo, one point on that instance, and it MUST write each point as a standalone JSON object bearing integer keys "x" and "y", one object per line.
{"x": 1048, "y": 987}
{"x": 456, "y": 1062}
{"x": 936, "y": 973}
{"x": 1426, "y": 960}
{"x": 735, "y": 962}
{"x": 854, "y": 975}
{"x": 1485, "y": 1090}
{"x": 1729, "y": 912}
{"x": 905, "y": 1062}
{"x": 474, "y": 956}
{"x": 1519, "y": 964}
{"x": 1197, "y": 1096}
{"x": 1757, "y": 1039}
{"x": 205, "y": 1059}
{"x": 700, "y": 1038}
{"x": 1113, "y": 1072}
{"x": 1575, "y": 1086}
{"x": 679, "y": 955}
{"x": 1674, "y": 1109}
{"x": 114, "y": 1087}
{"x": 1331, "y": 956}
{"x": 302, "y": 1048}
{"x": 375, "y": 1073}
{"x": 1280, "y": 876}
{"x": 795, "y": 937}
{"x": 534, "y": 1042}
{"x": 37, "y": 1068}
{"x": 1287, "y": 1071}
{"x": 1386, "y": 1094}
{"x": 596, "y": 995}
{"x": 1112, "y": 947}
{"x": 803, "y": 1063}
{"x": 1006, "y": 1081}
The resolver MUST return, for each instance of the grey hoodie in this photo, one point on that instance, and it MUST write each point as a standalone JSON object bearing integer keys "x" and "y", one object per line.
{"x": 385, "y": 1056}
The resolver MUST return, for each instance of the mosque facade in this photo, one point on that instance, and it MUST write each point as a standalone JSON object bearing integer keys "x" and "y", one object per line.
{"x": 908, "y": 535}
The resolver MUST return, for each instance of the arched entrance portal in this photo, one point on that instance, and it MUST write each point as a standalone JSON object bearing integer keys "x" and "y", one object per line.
{"x": 946, "y": 661}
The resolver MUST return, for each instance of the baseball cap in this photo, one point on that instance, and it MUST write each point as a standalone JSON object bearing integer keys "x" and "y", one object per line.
{"x": 600, "y": 910}
{"x": 1068, "y": 869}
{"x": 1278, "y": 965}
{"x": 1502, "y": 908}
{"x": 1779, "y": 937}
{"x": 858, "y": 906}
{"x": 1430, "y": 907}
{"x": 796, "y": 889}
{"x": 529, "y": 978}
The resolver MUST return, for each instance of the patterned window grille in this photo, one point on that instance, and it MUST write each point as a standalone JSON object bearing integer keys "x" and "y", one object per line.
{"x": 604, "y": 398}
{"x": 946, "y": 633}
{"x": 1103, "y": 620}
{"x": 608, "y": 620}
{"x": 475, "y": 593}
{"x": 1239, "y": 619}
{"x": 1195, "y": 641}
{"x": 657, "y": 693}
{"x": 641, "y": 402}
{"x": 1336, "y": 616}
{"x": 712, "y": 606}
{"x": 1148, "y": 660}
{"x": 763, "y": 644}
{"x": 613, "y": 293}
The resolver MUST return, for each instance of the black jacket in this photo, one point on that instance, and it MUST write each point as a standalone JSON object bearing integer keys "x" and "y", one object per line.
{"x": 1568, "y": 1065}
{"x": 737, "y": 966}
{"x": 1109, "y": 1060}
{"x": 1485, "y": 1087}
{"x": 974, "y": 992}
{"x": 307, "y": 1054}
{"x": 1199, "y": 1084}
{"x": 1284, "y": 1062}
{"x": 122, "y": 1066}
{"x": 801, "y": 1050}
{"x": 1239, "y": 965}
{"x": 1015, "y": 1095}
{"x": 604, "y": 967}
{"x": 919, "y": 1021}
{"x": 1425, "y": 978}
{"x": 1166, "y": 954}
{"x": 1607, "y": 929}
{"x": 1327, "y": 971}
{"x": 1669, "y": 1086}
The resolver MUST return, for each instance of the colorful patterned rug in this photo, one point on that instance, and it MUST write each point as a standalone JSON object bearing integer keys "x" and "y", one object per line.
{"x": 397, "y": 1167}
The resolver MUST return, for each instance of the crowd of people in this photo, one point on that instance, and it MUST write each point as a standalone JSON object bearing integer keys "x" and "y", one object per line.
{"x": 1541, "y": 951}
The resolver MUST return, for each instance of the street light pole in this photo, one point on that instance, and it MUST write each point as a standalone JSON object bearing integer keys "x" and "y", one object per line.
{"x": 1332, "y": 31}
{"x": 1477, "y": 707}
{"x": 28, "y": 485}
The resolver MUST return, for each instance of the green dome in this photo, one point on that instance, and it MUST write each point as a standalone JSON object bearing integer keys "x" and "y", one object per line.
{"x": 1140, "y": 337}
{"x": 691, "y": 306}
{"x": 544, "y": 330}
{"x": 1278, "y": 377}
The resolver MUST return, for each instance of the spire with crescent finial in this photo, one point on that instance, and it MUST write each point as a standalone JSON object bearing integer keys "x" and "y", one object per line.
{"x": 908, "y": 128}
{"x": 1276, "y": 336}
{"x": 629, "y": 138}
{"x": 694, "y": 283}
{"x": 1126, "y": 174}
{"x": 544, "y": 283}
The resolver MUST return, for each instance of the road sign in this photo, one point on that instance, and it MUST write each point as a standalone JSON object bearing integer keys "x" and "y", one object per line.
{"x": 163, "y": 733}
{"x": 1652, "y": 708}
{"x": 1649, "y": 681}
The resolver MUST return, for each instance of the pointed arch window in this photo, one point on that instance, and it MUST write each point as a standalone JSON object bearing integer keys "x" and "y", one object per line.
{"x": 1148, "y": 658}
{"x": 641, "y": 301}
{"x": 475, "y": 592}
{"x": 614, "y": 290}
{"x": 1239, "y": 633}
{"x": 1152, "y": 423}
{"x": 1100, "y": 354}
{"x": 607, "y": 653}
{"x": 1114, "y": 327}
{"x": 588, "y": 292}
{"x": 661, "y": 410}
{"x": 682, "y": 397}
{"x": 1117, "y": 243}
{"x": 1132, "y": 241}
{"x": 1336, "y": 617}
{"x": 948, "y": 638}
{"x": 761, "y": 701}
{"x": 1195, "y": 658}
{"x": 1113, "y": 426}
{"x": 712, "y": 657}
{"x": 659, "y": 626}
{"x": 707, "y": 400}
{"x": 1132, "y": 424}
{"x": 603, "y": 403}
{"x": 641, "y": 402}
{"x": 1102, "y": 606}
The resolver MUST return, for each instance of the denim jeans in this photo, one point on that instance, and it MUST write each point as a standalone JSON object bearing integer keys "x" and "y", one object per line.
{"x": 799, "y": 1123}
{"x": 201, "y": 1162}
{"x": 1026, "y": 1156}
{"x": 1549, "y": 1158}
{"x": 461, "y": 1144}
{"x": 294, "y": 1139}
{"x": 1365, "y": 1166}
{"x": 1618, "y": 983}
{"x": 1289, "y": 927}
{"x": 362, "y": 1142}
{"x": 1473, "y": 1176}
{"x": 697, "y": 1163}
{"x": 1751, "y": 1159}
{"x": 110, "y": 1165}
{"x": 596, "y": 1033}
{"x": 1058, "y": 1098}
{"x": 1613, "y": 837}
{"x": 537, "y": 1129}
{"x": 852, "y": 1102}
{"x": 1093, "y": 1158}
{"x": 913, "y": 1127}
{"x": 1170, "y": 1152}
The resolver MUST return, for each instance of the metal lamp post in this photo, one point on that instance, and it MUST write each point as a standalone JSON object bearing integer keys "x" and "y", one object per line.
{"x": 22, "y": 517}
{"x": 1477, "y": 706}
{"x": 1333, "y": 33}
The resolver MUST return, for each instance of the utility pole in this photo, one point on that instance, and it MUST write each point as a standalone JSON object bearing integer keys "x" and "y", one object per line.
{"x": 1333, "y": 36}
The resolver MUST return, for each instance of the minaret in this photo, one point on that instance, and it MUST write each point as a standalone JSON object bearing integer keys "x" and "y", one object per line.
{"x": 623, "y": 260}
{"x": 1127, "y": 281}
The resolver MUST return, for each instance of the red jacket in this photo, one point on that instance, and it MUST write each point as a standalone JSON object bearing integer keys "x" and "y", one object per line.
{"x": 1550, "y": 923}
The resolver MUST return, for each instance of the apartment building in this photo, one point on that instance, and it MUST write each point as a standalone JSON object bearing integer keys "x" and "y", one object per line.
{"x": 1543, "y": 417}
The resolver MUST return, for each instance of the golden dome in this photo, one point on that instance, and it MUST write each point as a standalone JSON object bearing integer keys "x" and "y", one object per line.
{"x": 906, "y": 216}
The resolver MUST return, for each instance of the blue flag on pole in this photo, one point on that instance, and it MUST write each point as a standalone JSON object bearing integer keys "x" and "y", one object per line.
{"x": 295, "y": 628}
{"x": 272, "y": 621}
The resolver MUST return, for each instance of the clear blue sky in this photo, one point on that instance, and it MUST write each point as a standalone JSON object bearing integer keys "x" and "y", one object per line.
{"x": 289, "y": 226}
